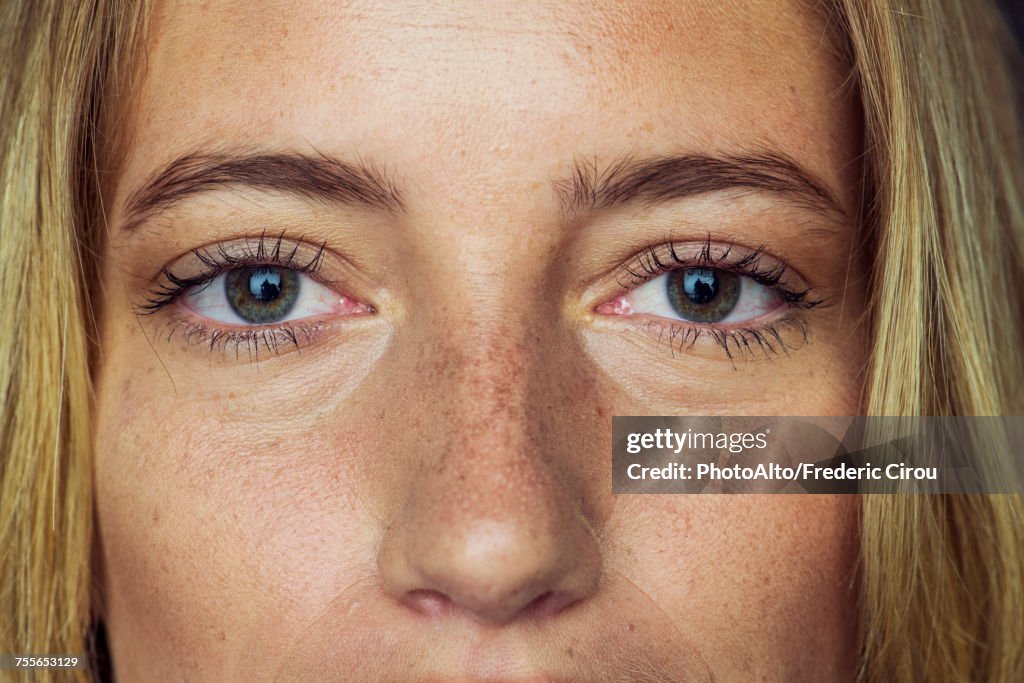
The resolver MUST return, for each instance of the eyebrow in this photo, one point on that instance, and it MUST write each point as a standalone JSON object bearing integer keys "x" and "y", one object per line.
{"x": 660, "y": 179}
{"x": 316, "y": 176}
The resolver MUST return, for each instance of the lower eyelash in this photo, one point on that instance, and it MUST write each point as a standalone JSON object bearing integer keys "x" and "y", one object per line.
{"x": 273, "y": 340}
{"x": 748, "y": 343}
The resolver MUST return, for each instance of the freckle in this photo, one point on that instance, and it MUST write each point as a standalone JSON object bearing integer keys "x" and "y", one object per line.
{"x": 156, "y": 516}
{"x": 222, "y": 636}
{"x": 570, "y": 653}
{"x": 632, "y": 627}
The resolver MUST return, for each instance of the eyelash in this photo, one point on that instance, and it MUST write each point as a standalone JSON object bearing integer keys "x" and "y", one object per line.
{"x": 753, "y": 342}
{"x": 217, "y": 260}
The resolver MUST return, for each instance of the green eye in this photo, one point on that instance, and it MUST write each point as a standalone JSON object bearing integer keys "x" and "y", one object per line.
{"x": 705, "y": 295}
{"x": 263, "y": 294}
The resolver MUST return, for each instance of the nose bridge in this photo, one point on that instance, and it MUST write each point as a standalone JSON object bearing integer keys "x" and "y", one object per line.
{"x": 480, "y": 313}
{"x": 491, "y": 383}
{"x": 483, "y": 396}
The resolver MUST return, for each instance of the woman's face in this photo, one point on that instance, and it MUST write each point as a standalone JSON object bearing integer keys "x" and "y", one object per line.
{"x": 379, "y": 275}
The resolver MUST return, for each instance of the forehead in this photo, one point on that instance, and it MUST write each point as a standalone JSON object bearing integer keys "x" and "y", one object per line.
{"x": 458, "y": 82}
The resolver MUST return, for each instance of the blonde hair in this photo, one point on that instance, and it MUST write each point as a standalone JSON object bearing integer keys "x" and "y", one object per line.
{"x": 58, "y": 58}
{"x": 942, "y": 577}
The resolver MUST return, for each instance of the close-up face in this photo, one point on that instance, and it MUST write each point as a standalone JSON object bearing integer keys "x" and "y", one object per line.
{"x": 378, "y": 276}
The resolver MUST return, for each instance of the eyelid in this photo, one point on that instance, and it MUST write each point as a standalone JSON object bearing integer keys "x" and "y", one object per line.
{"x": 657, "y": 260}
{"x": 298, "y": 254}
{"x": 754, "y": 342}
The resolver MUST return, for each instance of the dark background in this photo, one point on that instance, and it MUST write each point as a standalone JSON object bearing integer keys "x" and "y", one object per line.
{"x": 1014, "y": 10}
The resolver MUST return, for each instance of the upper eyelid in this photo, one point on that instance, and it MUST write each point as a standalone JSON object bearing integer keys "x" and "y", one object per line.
{"x": 217, "y": 257}
{"x": 746, "y": 262}
{"x": 168, "y": 286}
{"x": 276, "y": 255}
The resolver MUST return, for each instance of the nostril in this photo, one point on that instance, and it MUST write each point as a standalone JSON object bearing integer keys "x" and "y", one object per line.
{"x": 429, "y": 603}
{"x": 435, "y": 604}
{"x": 515, "y": 561}
{"x": 549, "y": 604}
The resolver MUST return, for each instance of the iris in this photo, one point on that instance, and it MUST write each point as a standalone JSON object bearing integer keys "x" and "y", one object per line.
{"x": 263, "y": 294}
{"x": 704, "y": 295}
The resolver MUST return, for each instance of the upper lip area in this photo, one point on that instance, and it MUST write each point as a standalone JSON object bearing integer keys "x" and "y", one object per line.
{"x": 473, "y": 679}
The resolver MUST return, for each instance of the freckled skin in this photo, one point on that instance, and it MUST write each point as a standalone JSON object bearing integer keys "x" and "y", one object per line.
{"x": 424, "y": 493}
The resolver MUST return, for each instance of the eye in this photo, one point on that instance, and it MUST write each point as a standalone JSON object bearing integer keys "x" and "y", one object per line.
{"x": 263, "y": 295}
{"x": 698, "y": 295}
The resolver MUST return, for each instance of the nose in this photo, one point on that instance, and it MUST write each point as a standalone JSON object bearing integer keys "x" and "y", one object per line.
{"x": 492, "y": 524}
{"x": 496, "y": 569}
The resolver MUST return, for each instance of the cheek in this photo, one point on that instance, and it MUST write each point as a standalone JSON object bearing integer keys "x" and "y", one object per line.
{"x": 217, "y": 535}
{"x": 763, "y": 584}
{"x": 822, "y": 378}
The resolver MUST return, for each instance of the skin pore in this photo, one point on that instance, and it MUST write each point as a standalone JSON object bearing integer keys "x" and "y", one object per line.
{"x": 409, "y": 479}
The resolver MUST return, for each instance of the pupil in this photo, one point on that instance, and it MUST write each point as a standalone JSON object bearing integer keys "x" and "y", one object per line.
{"x": 265, "y": 284}
{"x": 700, "y": 285}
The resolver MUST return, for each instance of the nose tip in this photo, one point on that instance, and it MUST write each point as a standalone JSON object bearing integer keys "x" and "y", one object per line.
{"x": 496, "y": 571}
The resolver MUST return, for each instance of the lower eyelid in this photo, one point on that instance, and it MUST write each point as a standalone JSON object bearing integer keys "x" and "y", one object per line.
{"x": 759, "y": 341}
{"x": 252, "y": 342}
{"x": 185, "y": 327}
